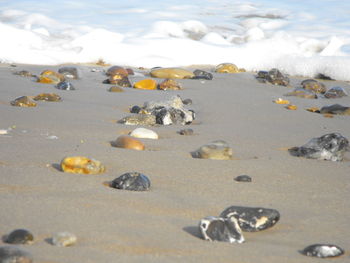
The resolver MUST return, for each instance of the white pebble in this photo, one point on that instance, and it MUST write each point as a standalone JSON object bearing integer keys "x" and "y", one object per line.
{"x": 144, "y": 133}
{"x": 3, "y": 132}
{"x": 64, "y": 239}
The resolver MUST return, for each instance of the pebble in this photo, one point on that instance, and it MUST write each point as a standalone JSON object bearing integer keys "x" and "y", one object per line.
{"x": 144, "y": 133}
{"x": 65, "y": 85}
{"x": 128, "y": 142}
{"x": 132, "y": 181}
{"x": 23, "y": 101}
{"x": 216, "y": 150}
{"x": 115, "y": 89}
{"x": 221, "y": 229}
{"x": 274, "y": 76}
{"x": 302, "y": 93}
{"x": 329, "y": 147}
{"x": 135, "y": 109}
{"x": 281, "y": 101}
{"x": 119, "y": 80}
{"x": 48, "y": 97}
{"x": 228, "y": 68}
{"x": 187, "y": 101}
{"x": 291, "y": 107}
{"x": 147, "y": 84}
{"x": 139, "y": 119}
{"x": 13, "y": 254}
{"x": 201, "y": 74}
{"x": 186, "y": 132}
{"x": 313, "y": 85}
{"x": 322, "y": 251}
{"x": 117, "y": 70}
{"x": 70, "y": 72}
{"x": 243, "y": 178}
{"x": 335, "y": 109}
{"x": 20, "y": 236}
{"x": 64, "y": 239}
{"x": 23, "y": 73}
{"x": 252, "y": 219}
{"x": 50, "y": 77}
{"x": 335, "y": 92}
{"x": 170, "y": 84}
{"x": 81, "y": 165}
{"x": 171, "y": 73}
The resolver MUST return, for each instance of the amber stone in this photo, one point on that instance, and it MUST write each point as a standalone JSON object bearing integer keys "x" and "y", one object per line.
{"x": 48, "y": 97}
{"x": 170, "y": 84}
{"x": 128, "y": 142}
{"x": 50, "y": 77}
{"x": 228, "y": 68}
{"x": 302, "y": 93}
{"x": 148, "y": 84}
{"x": 81, "y": 165}
{"x": 23, "y": 101}
{"x": 115, "y": 89}
{"x": 171, "y": 73}
{"x": 117, "y": 70}
{"x": 122, "y": 81}
{"x": 281, "y": 101}
{"x": 313, "y": 109}
{"x": 314, "y": 85}
{"x": 291, "y": 107}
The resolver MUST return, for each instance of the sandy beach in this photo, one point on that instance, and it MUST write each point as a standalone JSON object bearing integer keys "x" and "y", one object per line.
{"x": 161, "y": 225}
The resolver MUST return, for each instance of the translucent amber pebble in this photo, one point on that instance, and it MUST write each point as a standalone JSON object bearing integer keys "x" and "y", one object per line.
{"x": 170, "y": 84}
{"x": 148, "y": 84}
{"x": 48, "y": 97}
{"x": 50, "y": 77}
{"x": 23, "y": 101}
{"x": 81, "y": 165}
{"x": 313, "y": 109}
{"x": 291, "y": 107}
{"x": 281, "y": 101}
{"x": 171, "y": 73}
{"x": 228, "y": 68}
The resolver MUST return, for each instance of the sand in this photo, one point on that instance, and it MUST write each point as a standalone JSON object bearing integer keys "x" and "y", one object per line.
{"x": 162, "y": 225}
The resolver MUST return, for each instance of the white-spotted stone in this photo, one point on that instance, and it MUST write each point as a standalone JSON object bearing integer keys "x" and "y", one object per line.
{"x": 64, "y": 239}
{"x": 144, "y": 134}
{"x": 323, "y": 251}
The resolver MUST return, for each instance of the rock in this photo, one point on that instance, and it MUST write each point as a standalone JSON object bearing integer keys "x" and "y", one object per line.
{"x": 323, "y": 76}
{"x": 281, "y": 101}
{"x": 335, "y": 92}
{"x": 228, "y": 68}
{"x": 48, "y": 97}
{"x": 139, "y": 119}
{"x": 302, "y": 93}
{"x": 13, "y": 254}
{"x": 313, "y": 85}
{"x": 119, "y": 80}
{"x": 187, "y": 101}
{"x": 186, "y": 132}
{"x": 132, "y": 181}
{"x": 65, "y": 85}
{"x": 81, "y": 165}
{"x": 216, "y": 150}
{"x": 171, "y": 73}
{"x": 291, "y": 107}
{"x": 20, "y": 236}
{"x": 70, "y": 72}
{"x": 50, "y": 77}
{"x": 170, "y": 84}
{"x": 117, "y": 70}
{"x": 201, "y": 74}
{"x": 252, "y": 219}
{"x": 115, "y": 89}
{"x": 144, "y": 133}
{"x": 128, "y": 142}
{"x": 274, "y": 76}
{"x": 330, "y": 147}
{"x": 322, "y": 251}
{"x": 135, "y": 109}
{"x": 23, "y": 101}
{"x": 64, "y": 239}
{"x": 243, "y": 178}
{"x": 147, "y": 84}
{"x": 335, "y": 109}
{"x": 215, "y": 228}
{"x": 130, "y": 71}
{"x": 24, "y": 73}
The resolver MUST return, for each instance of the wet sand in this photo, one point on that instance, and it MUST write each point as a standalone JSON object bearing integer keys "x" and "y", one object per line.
{"x": 161, "y": 225}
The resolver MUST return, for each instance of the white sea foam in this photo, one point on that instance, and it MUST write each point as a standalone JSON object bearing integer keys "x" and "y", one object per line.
{"x": 300, "y": 39}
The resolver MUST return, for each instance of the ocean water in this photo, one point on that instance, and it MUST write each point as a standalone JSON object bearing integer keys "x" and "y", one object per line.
{"x": 298, "y": 37}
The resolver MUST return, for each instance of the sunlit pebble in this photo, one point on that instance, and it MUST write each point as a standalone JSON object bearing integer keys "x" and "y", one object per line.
{"x": 3, "y": 132}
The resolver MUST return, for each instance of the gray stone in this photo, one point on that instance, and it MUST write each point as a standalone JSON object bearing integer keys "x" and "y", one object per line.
{"x": 20, "y": 236}
{"x": 274, "y": 76}
{"x": 70, "y": 72}
{"x": 13, "y": 254}
{"x": 139, "y": 119}
{"x": 201, "y": 74}
{"x": 132, "y": 181}
{"x": 322, "y": 251}
{"x": 216, "y": 150}
{"x": 65, "y": 85}
{"x": 243, "y": 178}
{"x": 335, "y": 109}
{"x": 335, "y": 92}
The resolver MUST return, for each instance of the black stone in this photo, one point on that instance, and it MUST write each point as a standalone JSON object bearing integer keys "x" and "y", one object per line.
{"x": 65, "y": 85}
{"x": 132, "y": 181}
{"x": 252, "y": 219}
{"x": 13, "y": 254}
{"x": 170, "y": 115}
{"x": 201, "y": 74}
{"x": 335, "y": 92}
{"x": 323, "y": 76}
{"x": 221, "y": 229}
{"x": 186, "y": 132}
{"x": 243, "y": 178}
{"x": 329, "y": 147}
{"x": 70, "y": 72}
{"x": 322, "y": 251}
{"x": 20, "y": 236}
{"x": 135, "y": 109}
{"x": 334, "y": 109}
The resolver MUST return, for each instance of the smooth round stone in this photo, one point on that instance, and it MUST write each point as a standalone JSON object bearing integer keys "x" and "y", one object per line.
{"x": 129, "y": 142}
{"x": 139, "y": 119}
{"x": 335, "y": 109}
{"x": 119, "y": 80}
{"x": 201, "y": 74}
{"x": 335, "y": 92}
{"x": 117, "y": 70}
{"x": 147, "y": 84}
{"x": 187, "y": 101}
{"x": 132, "y": 181}
{"x": 171, "y": 73}
{"x": 13, "y": 254}
{"x": 217, "y": 150}
{"x": 65, "y": 85}
{"x": 221, "y": 229}
{"x": 50, "y": 77}
{"x": 144, "y": 133}
{"x": 227, "y": 68}
{"x": 252, "y": 219}
{"x": 23, "y": 101}
{"x": 302, "y": 93}
{"x": 170, "y": 84}
{"x": 20, "y": 236}
{"x": 70, "y": 72}
{"x": 186, "y": 132}
{"x": 81, "y": 165}
{"x": 135, "y": 109}
{"x": 115, "y": 89}
{"x": 64, "y": 239}
{"x": 323, "y": 251}
{"x": 313, "y": 85}
{"x": 243, "y": 178}
{"x": 48, "y": 97}
{"x": 23, "y": 73}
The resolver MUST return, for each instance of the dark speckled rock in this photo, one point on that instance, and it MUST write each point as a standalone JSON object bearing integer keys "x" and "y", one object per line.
{"x": 201, "y": 74}
{"x": 335, "y": 109}
{"x": 252, "y": 219}
{"x": 13, "y": 254}
{"x": 335, "y": 92}
{"x": 20, "y": 236}
{"x": 274, "y": 76}
{"x": 322, "y": 251}
{"x": 243, "y": 178}
{"x": 132, "y": 181}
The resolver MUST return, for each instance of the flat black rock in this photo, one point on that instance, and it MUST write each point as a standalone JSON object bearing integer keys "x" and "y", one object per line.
{"x": 201, "y": 74}
{"x": 243, "y": 178}
{"x": 322, "y": 251}
{"x": 20, "y": 236}
{"x": 132, "y": 181}
{"x": 221, "y": 229}
{"x": 335, "y": 109}
{"x": 252, "y": 219}
{"x": 13, "y": 254}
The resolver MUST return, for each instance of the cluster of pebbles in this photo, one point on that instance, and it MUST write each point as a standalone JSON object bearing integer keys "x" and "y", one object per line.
{"x": 232, "y": 222}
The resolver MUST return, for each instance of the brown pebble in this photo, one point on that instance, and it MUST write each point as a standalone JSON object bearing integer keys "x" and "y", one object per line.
{"x": 128, "y": 142}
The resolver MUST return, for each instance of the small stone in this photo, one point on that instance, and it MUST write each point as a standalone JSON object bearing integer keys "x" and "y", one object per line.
{"x": 322, "y": 251}
{"x": 122, "y": 81}
{"x": 117, "y": 70}
{"x": 186, "y": 132}
{"x": 274, "y": 76}
{"x": 64, "y": 239}
{"x": 139, "y": 119}
{"x": 215, "y": 228}
{"x": 313, "y": 109}
{"x": 23, "y": 101}
{"x": 20, "y": 236}
{"x": 13, "y": 254}
{"x": 171, "y": 73}
{"x": 115, "y": 89}
{"x": 144, "y": 133}
{"x": 323, "y": 76}
{"x": 329, "y": 147}
{"x": 70, "y": 72}
{"x": 187, "y": 101}
{"x": 335, "y": 109}
{"x": 302, "y": 93}
{"x": 130, "y": 71}
{"x": 50, "y": 77}
{"x": 252, "y": 219}
{"x": 170, "y": 84}
{"x": 135, "y": 109}
{"x": 147, "y": 84}
{"x": 65, "y": 85}
{"x": 291, "y": 107}
{"x": 48, "y": 97}
{"x": 227, "y": 68}
{"x": 281, "y": 101}
{"x": 243, "y": 178}
{"x": 23, "y": 73}
{"x": 81, "y": 165}
{"x": 313, "y": 85}
{"x": 132, "y": 181}
{"x": 201, "y": 74}
{"x": 216, "y": 150}
{"x": 128, "y": 142}
{"x": 335, "y": 92}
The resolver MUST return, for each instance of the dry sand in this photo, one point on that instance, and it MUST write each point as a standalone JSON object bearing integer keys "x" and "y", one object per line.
{"x": 161, "y": 225}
